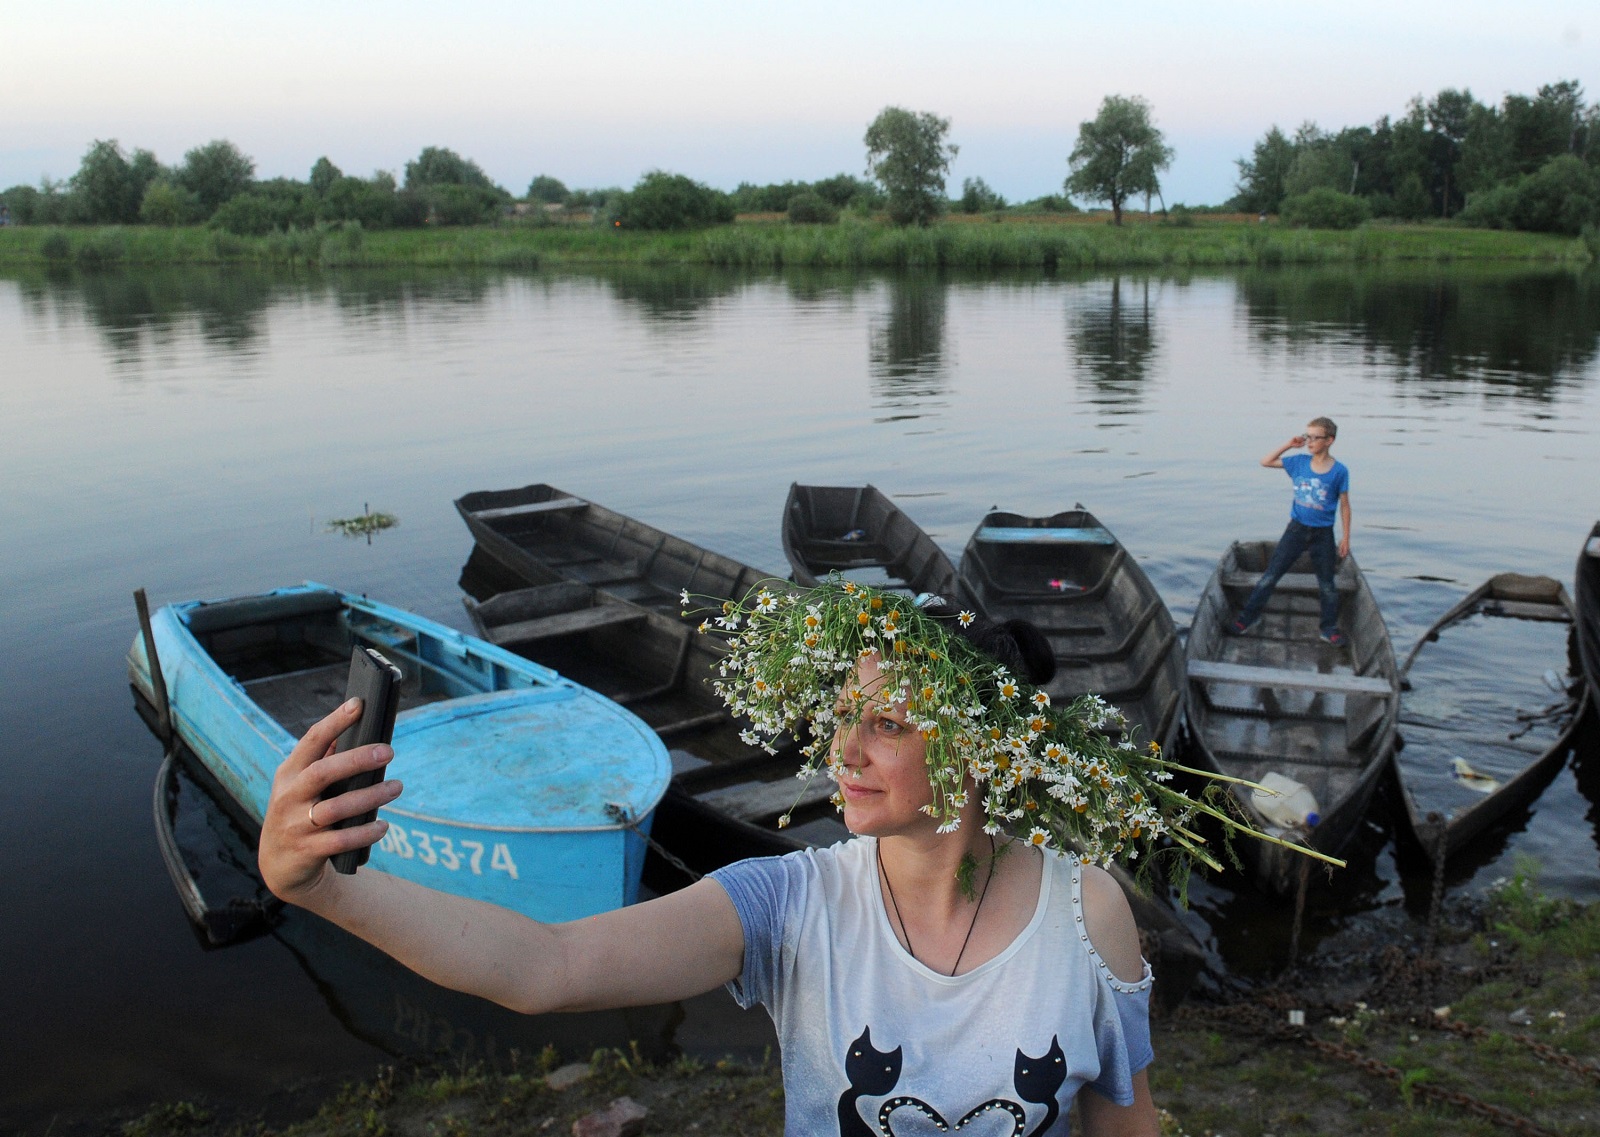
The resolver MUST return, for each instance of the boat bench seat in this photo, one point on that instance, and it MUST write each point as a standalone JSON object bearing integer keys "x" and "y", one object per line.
{"x": 1529, "y": 610}
{"x": 1030, "y": 535}
{"x": 1290, "y": 582}
{"x": 1212, "y": 671}
{"x": 554, "y": 505}
{"x": 565, "y": 624}
{"x": 761, "y": 801}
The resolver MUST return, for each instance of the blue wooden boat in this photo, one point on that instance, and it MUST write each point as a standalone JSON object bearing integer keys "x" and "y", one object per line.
{"x": 523, "y": 788}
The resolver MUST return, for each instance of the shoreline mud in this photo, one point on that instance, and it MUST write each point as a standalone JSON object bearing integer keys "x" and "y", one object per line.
{"x": 1494, "y": 1027}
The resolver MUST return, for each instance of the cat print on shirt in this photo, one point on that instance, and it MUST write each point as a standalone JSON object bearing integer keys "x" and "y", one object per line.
{"x": 874, "y": 1073}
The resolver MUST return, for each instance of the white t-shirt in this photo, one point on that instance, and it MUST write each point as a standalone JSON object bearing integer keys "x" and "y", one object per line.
{"x": 877, "y": 1045}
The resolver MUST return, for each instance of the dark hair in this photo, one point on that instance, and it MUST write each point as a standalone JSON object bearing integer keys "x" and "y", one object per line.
{"x": 1015, "y": 644}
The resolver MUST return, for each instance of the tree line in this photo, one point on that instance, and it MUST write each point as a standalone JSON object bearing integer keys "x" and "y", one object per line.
{"x": 908, "y": 155}
{"x": 1532, "y": 162}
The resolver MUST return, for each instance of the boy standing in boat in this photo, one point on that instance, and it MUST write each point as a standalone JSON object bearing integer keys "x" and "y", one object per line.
{"x": 1321, "y": 485}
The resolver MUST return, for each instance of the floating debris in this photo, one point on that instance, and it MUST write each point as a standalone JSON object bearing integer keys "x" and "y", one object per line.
{"x": 365, "y": 525}
{"x": 1467, "y": 776}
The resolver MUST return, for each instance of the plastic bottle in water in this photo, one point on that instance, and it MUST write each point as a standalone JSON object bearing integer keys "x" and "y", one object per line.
{"x": 1286, "y": 803}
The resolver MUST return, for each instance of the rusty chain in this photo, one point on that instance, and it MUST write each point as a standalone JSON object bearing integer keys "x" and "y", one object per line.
{"x": 1542, "y": 1050}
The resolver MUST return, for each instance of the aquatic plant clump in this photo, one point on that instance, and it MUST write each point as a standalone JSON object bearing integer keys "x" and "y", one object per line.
{"x": 364, "y": 525}
{"x": 1071, "y": 778}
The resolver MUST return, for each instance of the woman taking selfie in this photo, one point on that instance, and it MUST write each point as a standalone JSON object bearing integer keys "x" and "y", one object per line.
{"x": 948, "y": 963}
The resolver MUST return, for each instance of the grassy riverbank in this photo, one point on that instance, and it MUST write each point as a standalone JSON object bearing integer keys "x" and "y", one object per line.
{"x": 978, "y": 244}
{"x": 1504, "y": 1014}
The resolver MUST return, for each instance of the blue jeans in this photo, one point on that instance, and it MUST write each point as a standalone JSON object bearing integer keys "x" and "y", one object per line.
{"x": 1296, "y": 539}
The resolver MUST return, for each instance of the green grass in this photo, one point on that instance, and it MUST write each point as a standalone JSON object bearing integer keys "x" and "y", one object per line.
{"x": 850, "y": 244}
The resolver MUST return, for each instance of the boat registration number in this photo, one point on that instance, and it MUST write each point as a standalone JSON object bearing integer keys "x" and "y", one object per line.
{"x": 455, "y": 855}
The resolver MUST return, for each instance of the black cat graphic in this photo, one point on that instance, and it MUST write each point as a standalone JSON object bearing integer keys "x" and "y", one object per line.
{"x": 874, "y": 1072}
{"x": 871, "y": 1073}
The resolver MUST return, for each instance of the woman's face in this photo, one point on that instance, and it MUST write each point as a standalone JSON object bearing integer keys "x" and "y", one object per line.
{"x": 881, "y": 760}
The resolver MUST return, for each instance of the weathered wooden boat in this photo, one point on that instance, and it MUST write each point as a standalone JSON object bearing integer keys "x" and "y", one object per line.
{"x": 858, "y": 532}
{"x": 547, "y": 535}
{"x": 1278, "y": 700}
{"x": 726, "y": 797}
{"x": 1587, "y": 611}
{"x": 1111, "y": 633}
{"x": 1470, "y": 716}
{"x": 523, "y": 788}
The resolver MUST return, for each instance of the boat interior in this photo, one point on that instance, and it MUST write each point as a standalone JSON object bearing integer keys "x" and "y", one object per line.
{"x": 291, "y": 654}
{"x": 1106, "y": 623}
{"x": 1486, "y": 686}
{"x": 662, "y": 670}
{"x": 859, "y": 533}
{"x": 1279, "y": 699}
{"x": 578, "y": 541}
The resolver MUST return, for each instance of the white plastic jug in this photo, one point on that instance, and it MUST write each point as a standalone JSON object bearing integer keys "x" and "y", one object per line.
{"x": 1285, "y": 802}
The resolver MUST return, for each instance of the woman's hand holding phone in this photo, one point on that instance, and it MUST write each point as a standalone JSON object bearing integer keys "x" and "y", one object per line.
{"x": 298, "y": 838}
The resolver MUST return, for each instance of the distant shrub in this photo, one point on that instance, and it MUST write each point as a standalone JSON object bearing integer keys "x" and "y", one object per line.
{"x": 23, "y": 202}
{"x": 977, "y": 197}
{"x": 843, "y": 190}
{"x": 1324, "y": 208}
{"x": 216, "y": 173}
{"x": 811, "y": 208}
{"x": 671, "y": 201}
{"x": 1180, "y": 217}
{"x": 101, "y": 250}
{"x": 370, "y": 205}
{"x": 254, "y": 215}
{"x": 1562, "y": 196}
{"x": 548, "y": 190}
{"x": 462, "y": 204}
{"x": 410, "y": 210}
{"x": 167, "y": 204}
{"x": 440, "y": 166}
{"x": 55, "y": 247}
{"x": 1493, "y": 208}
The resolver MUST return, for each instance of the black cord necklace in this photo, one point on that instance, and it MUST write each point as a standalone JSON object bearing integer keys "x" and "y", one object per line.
{"x": 899, "y": 919}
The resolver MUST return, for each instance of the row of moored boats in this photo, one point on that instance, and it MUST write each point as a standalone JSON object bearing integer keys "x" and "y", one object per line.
{"x": 544, "y": 756}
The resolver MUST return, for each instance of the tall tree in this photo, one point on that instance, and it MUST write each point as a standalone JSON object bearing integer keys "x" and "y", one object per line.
{"x": 1119, "y": 153}
{"x": 441, "y": 166}
{"x": 215, "y": 173}
{"x": 908, "y": 154}
{"x": 1262, "y": 175}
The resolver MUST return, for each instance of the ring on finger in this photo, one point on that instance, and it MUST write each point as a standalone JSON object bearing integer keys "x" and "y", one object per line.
{"x": 311, "y": 814}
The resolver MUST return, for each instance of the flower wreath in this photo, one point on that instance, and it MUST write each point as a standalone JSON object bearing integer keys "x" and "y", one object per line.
{"x": 1065, "y": 777}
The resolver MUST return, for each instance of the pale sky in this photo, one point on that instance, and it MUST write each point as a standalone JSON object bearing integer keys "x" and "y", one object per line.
{"x": 752, "y": 91}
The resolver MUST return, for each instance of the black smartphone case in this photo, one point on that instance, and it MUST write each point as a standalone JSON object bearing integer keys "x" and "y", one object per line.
{"x": 376, "y": 682}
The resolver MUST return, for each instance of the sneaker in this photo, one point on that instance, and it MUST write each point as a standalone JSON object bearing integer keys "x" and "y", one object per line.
{"x": 1335, "y": 637}
{"x": 1236, "y": 626}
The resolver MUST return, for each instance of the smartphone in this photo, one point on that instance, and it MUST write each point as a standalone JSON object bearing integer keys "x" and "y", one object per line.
{"x": 376, "y": 682}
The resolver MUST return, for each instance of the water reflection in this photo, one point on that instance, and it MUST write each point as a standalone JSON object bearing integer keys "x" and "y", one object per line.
{"x": 1526, "y": 336}
{"x": 1113, "y": 341}
{"x": 672, "y": 293}
{"x": 134, "y": 311}
{"x": 907, "y": 357}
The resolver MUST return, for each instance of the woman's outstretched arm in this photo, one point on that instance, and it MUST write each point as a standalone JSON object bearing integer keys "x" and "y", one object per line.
{"x": 666, "y": 949}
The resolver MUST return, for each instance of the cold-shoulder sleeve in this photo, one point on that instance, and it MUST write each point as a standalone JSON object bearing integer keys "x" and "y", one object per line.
{"x": 764, "y": 891}
{"x": 1123, "y": 1038}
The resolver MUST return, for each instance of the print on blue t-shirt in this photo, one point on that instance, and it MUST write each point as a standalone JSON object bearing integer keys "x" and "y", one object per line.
{"x": 1316, "y": 496}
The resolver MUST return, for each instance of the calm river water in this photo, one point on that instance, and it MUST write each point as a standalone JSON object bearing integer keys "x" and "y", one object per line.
{"x": 193, "y": 432}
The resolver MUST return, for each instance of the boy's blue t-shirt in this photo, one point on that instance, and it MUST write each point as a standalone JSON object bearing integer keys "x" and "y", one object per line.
{"x": 1316, "y": 496}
